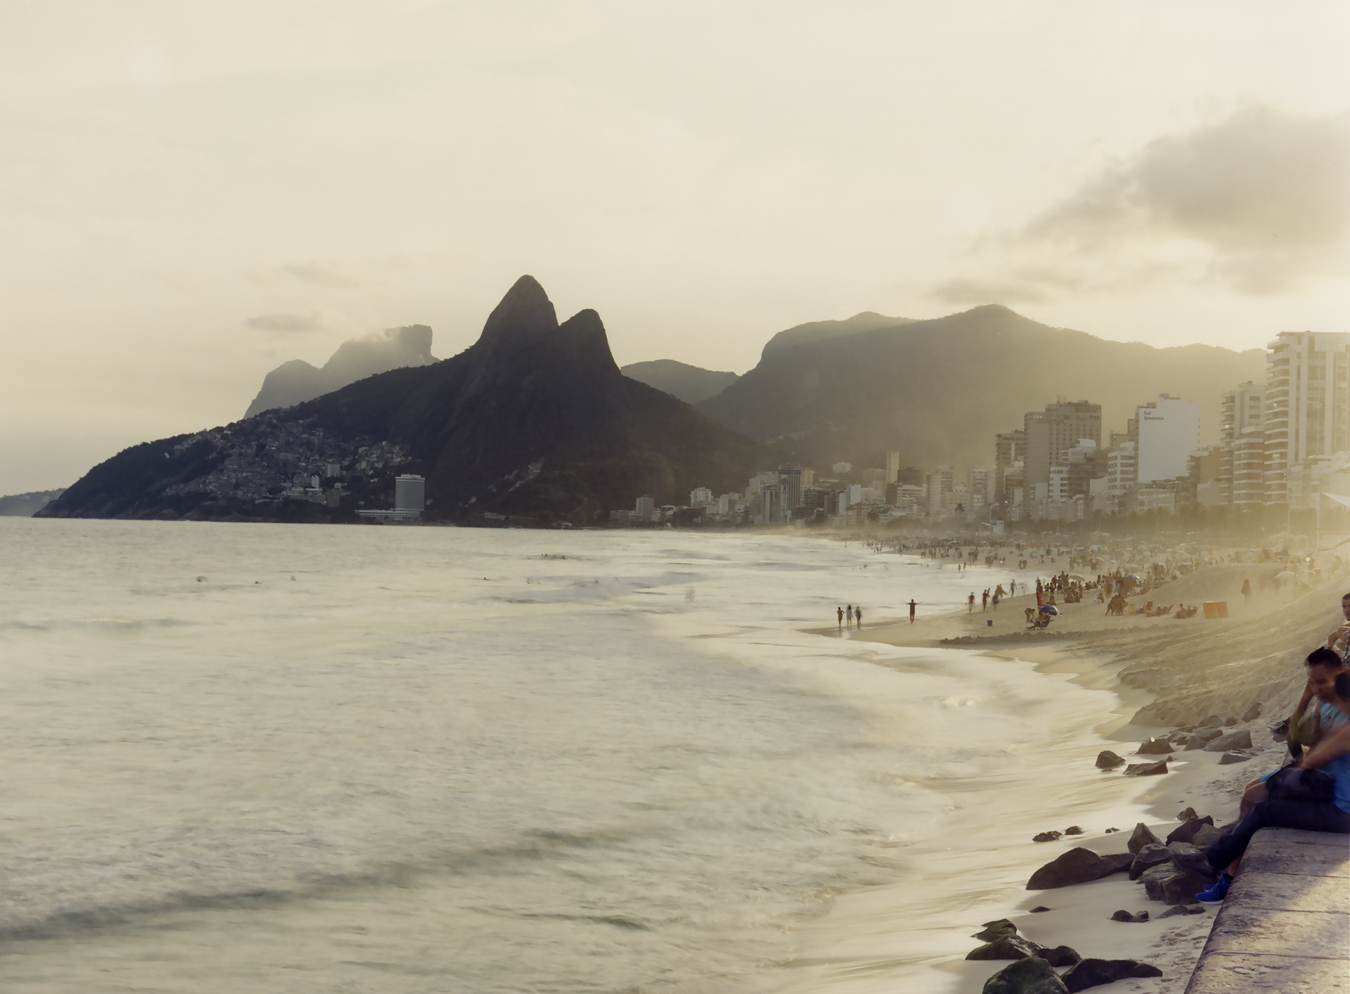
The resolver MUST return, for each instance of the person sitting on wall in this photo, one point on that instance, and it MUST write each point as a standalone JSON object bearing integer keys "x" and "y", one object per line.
{"x": 1312, "y": 794}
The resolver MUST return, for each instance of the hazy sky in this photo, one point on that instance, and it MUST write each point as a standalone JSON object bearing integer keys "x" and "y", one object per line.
{"x": 192, "y": 193}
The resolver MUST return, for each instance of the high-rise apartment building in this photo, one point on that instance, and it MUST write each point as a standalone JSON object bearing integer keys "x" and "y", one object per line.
{"x": 1052, "y": 432}
{"x": 410, "y": 494}
{"x": 1010, "y": 449}
{"x": 1168, "y": 431}
{"x": 1307, "y": 408}
{"x": 939, "y": 492}
{"x": 892, "y": 467}
{"x": 1240, "y": 409}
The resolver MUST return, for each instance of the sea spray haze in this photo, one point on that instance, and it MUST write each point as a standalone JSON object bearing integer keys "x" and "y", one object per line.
{"x": 312, "y": 758}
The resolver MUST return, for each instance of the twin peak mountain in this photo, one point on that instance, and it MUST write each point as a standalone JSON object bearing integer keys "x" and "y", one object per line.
{"x": 536, "y": 419}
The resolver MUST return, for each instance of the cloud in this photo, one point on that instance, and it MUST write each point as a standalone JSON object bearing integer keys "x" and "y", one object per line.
{"x": 1258, "y": 202}
{"x": 325, "y": 274}
{"x": 287, "y": 323}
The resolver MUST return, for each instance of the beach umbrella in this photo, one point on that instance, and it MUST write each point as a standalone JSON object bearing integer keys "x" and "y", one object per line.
{"x": 1131, "y": 576}
{"x": 1075, "y": 576}
{"x": 1286, "y": 575}
{"x": 1049, "y": 609}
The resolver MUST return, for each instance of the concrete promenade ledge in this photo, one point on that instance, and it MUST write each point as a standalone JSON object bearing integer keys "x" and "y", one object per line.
{"x": 1284, "y": 927}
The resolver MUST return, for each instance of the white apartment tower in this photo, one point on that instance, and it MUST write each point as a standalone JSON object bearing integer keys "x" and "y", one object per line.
{"x": 410, "y": 493}
{"x": 1307, "y": 407}
{"x": 1169, "y": 431}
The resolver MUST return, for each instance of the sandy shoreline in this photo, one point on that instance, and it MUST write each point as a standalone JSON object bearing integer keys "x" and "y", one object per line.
{"x": 1165, "y": 673}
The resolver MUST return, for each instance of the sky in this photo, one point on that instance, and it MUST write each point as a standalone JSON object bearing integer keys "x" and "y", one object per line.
{"x": 191, "y": 194}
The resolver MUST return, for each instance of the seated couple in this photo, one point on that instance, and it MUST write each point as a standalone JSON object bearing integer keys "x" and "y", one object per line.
{"x": 1312, "y": 793}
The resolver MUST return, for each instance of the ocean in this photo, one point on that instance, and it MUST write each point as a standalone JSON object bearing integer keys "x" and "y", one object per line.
{"x": 415, "y": 759}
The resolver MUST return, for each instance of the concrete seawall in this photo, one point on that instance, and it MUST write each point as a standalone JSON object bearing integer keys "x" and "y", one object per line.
{"x": 1285, "y": 925}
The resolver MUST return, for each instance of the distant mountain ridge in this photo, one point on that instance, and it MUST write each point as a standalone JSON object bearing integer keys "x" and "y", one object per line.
{"x": 534, "y": 419}
{"x": 27, "y": 505}
{"x": 690, "y": 383}
{"x": 297, "y": 381}
{"x": 939, "y": 390}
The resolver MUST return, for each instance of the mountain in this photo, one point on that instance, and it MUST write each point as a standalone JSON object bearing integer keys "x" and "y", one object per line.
{"x": 297, "y": 381}
{"x": 26, "y": 505}
{"x": 690, "y": 383}
{"x": 939, "y": 390}
{"x": 534, "y": 419}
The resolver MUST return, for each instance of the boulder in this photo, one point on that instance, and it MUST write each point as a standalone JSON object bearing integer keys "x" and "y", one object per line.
{"x": 1061, "y": 956}
{"x": 1187, "y": 815}
{"x": 1186, "y": 832}
{"x": 1008, "y": 947}
{"x": 1183, "y": 909}
{"x": 1140, "y": 837}
{"x": 1108, "y": 760}
{"x": 1094, "y": 972}
{"x": 1212, "y": 721}
{"x": 1122, "y": 860}
{"x": 1241, "y": 739}
{"x": 1252, "y": 713}
{"x": 1045, "y": 837}
{"x": 1183, "y": 887}
{"x": 995, "y": 930}
{"x": 1073, "y": 830}
{"x": 1180, "y": 848}
{"x": 1149, "y": 856}
{"x": 1110, "y": 830}
{"x": 1207, "y": 733}
{"x": 1125, "y": 916}
{"x": 1076, "y": 866}
{"x": 1029, "y": 976}
{"x": 1038, "y": 909}
{"x": 1154, "y": 747}
{"x": 1170, "y": 884}
{"x": 1230, "y": 757}
{"x": 1206, "y": 836}
{"x": 1146, "y": 769}
{"x": 1230, "y": 721}
{"x": 1179, "y": 737}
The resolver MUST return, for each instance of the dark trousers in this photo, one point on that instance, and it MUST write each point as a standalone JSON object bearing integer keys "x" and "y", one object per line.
{"x": 1315, "y": 816}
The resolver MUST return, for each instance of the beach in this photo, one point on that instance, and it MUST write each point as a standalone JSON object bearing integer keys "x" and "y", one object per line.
{"x": 1164, "y": 673}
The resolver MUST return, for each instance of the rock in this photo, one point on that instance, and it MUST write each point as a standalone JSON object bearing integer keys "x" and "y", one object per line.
{"x": 1073, "y": 830}
{"x": 1172, "y": 885}
{"x": 1180, "y": 848}
{"x": 1038, "y": 909}
{"x": 1187, "y": 815}
{"x": 1146, "y": 769}
{"x": 1028, "y": 976}
{"x": 1108, "y": 760}
{"x": 1140, "y": 837}
{"x": 1110, "y": 830}
{"x": 1183, "y": 909}
{"x": 1125, "y": 916}
{"x": 1207, "y": 733}
{"x": 1076, "y": 866}
{"x": 1229, "y": 722}
{"x": 1252, "y": 713}
{"x": 1206, "y": 836}
{"x": 1008, "y": 947}
{"x": 1229, "y": 758}
{"x": 1094, "y": 972}
{"x": 1045, "y": 837}
{"x": 995, "y": 930}
{"x": 1241, "y": 739}
{"x": 1213, "y": 721}
{"x": 1186, "y": 832}
{"x": 1149, "y": 856}
{"x": 1154, "y": 747}
{"x": 1061, "y": 956}
{"x": 1179, "y": 736}
{"x": 1122, "y": 860}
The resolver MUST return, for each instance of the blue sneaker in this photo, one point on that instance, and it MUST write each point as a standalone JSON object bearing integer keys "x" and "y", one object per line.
{"x": 1215, "y": 892}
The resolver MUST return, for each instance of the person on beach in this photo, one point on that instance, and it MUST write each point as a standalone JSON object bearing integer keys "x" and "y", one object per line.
{"x": 1342, "y": 634}
{"x": 1246, "y": 590}
{"x": 1313, "y": 795}
{"x": 850, "y": 616}
{"x": 984, "y": 600}
{"x": 970, "y": 603}
{"x": 911, "y": 610}
{"x": 1324, "y": 667}
{"x": 857, "y": 615}
{"x": 840, "y": 611}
